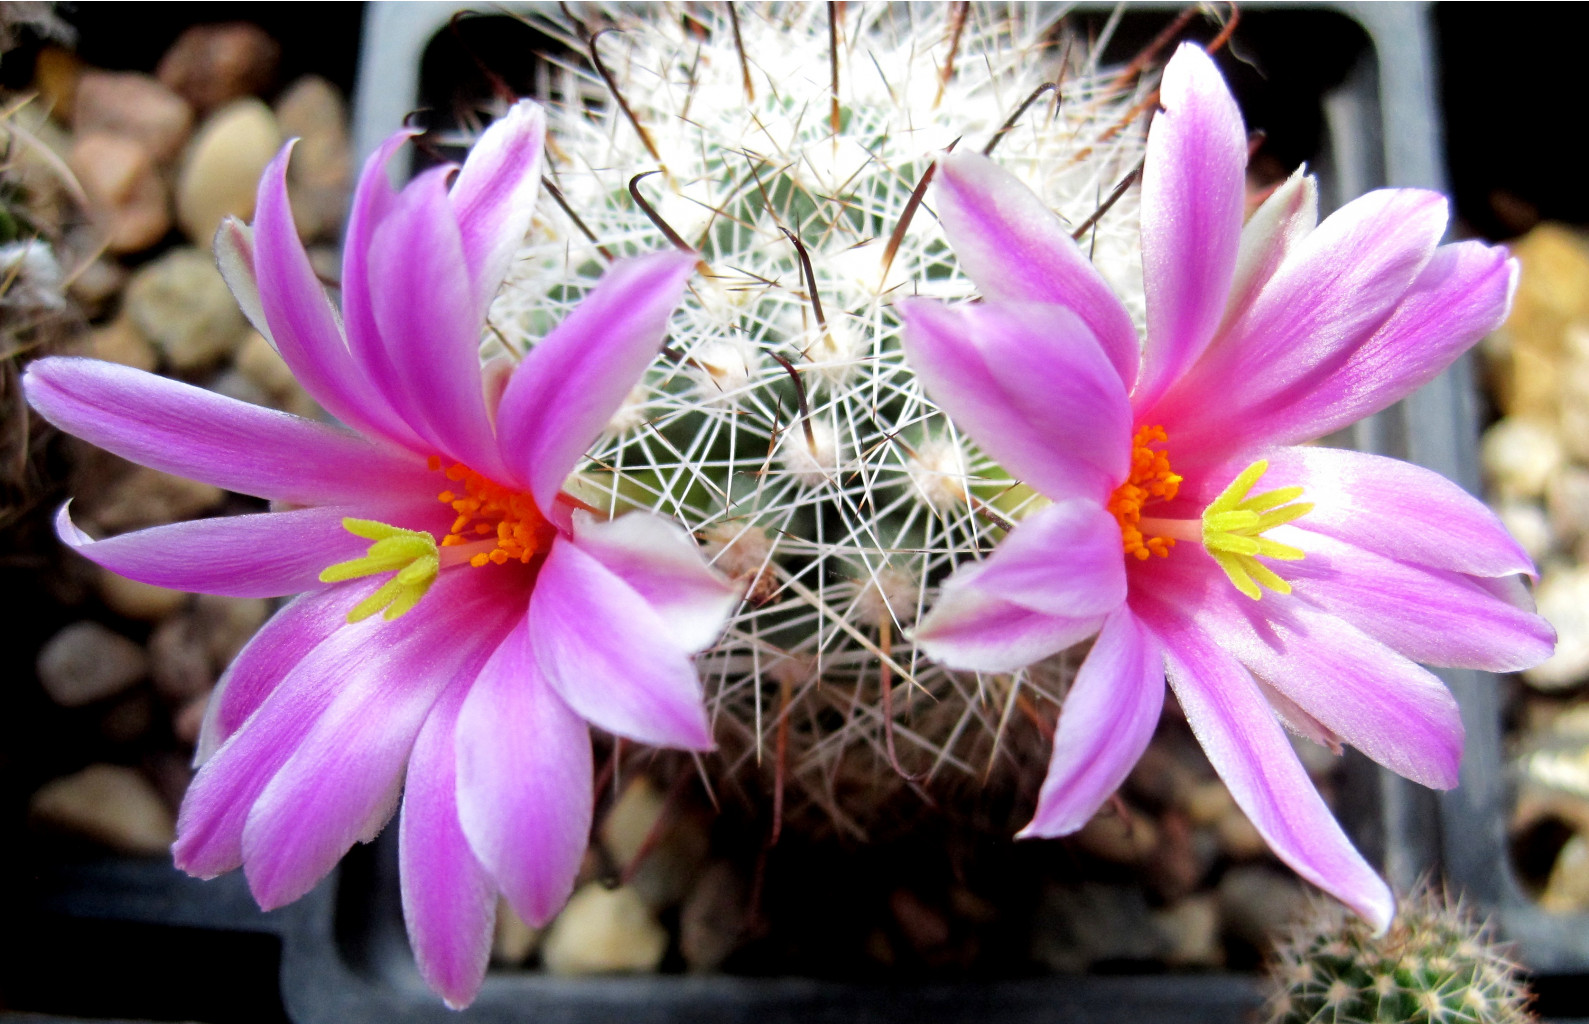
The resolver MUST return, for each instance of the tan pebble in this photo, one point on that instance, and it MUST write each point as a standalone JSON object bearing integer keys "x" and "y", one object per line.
{"x": 120, "y": 341}
{"x": 513, "y": 940}
{"x": 1562, "y": 597}
{"x": 136, "y": 600}
{"x": 181, "y": 304}
{"x": 56, "y": 71}
{"x": 228, "y": 623}
{"x": 1520, "y": 456}
{"x": 220, "y": 174}
{"x": 110, "y": 804}
{"x": 321, "y": 173}
{"x": 628, "y": 825}
{"x": 604, "y": 931}
{"x": 124, "y": 189}
{"x": 179, "y": 660}
{"x": 258, "y": 360}
{"x": 1192, "y": 928}
{"x": 189, "y": 719}
{"x": 98, "y": 283}
{"x": 215, "y": 64}
{"x": 1120, "y": 839}
{"x": 1207, "y": 802}
{"x": 148, "y": 497}
{"x": 135, "y": 106}
{"x": 1239, "y": 838}
{"x": 86, "y": 662}
{"x": 1567, "y": 890}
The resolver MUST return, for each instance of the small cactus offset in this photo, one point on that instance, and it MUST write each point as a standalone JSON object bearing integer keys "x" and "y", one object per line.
{"x": 1437, "y": 964}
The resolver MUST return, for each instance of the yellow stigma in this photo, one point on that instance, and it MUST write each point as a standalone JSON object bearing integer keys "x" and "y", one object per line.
{"x": 1150, "y": 481}
{"x": 412, "y": 553}
{"x": 1233, "y": 528}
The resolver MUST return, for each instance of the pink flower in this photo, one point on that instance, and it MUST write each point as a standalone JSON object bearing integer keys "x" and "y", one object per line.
{"x": 511, "y": 619}
{"x": 1305, "y": 600}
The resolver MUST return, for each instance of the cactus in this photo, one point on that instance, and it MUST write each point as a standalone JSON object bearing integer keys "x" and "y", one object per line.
{"x": 784, "y": 427}
{"x": 1437, "y": 964}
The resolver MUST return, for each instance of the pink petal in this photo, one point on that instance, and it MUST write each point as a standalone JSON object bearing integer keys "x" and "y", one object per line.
{"x": 1108, "y": 718}
{"x": 1016, "y": 249}
{"x": 234, "y": 255}
{"x": 1462, "y": 294}
{"x": 372, "y": 202}
{"x": 449, "y": 902}
{"x": 191, "y": 432}
{"x": 976, "y": 630}
{"x": 1271, "y": 234}
{"x": 1193, "y": 194}
{"x": 1354, "y": 686}
{"x": 1063, "y": 560}
{"x": 1018, "y": 379}
{"x": 287, "y": 639}
{"x": 268, "y": 554}
{"x": 1249, "y": 749}
{"x": 575, "y": 378}
{"x": 1430, "y": 615}
{"x": 610, "y": 655}
{"x": 1329, "y": 297}
{"x": 494, "y": 195}
{"x": 342, "y": 781}
{"x": 525, "y": 780}
{"x": 425, "y": 310}
{"x": 303, "y": 324}
{"x": 658, "y": 560}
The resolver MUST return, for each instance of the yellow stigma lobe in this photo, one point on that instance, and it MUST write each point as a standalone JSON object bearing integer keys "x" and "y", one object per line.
{"x": 1150, "y": 481}
{"x": 411, "y": 553}
{"x": 1233, "y": 528}
{"x": 503, "y": 523}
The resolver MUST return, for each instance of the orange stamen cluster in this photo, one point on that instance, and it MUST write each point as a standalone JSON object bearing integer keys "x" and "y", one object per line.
{"x": 486, "y": 511}
{"x": 1150, "y": 481}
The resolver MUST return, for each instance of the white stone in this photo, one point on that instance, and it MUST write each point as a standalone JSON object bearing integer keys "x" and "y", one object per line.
{"x": 1563, "y": 599}
{"x": 604, "y": 931}
{"x": 221, "y": 172}
{"x": 86, "y": 662}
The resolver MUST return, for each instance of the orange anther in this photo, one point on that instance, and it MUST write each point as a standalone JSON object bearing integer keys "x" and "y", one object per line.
{"x": 1150, "y": 481}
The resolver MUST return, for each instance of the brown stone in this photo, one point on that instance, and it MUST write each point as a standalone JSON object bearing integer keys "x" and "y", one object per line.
{"x": 133, "y": 106}
{"x": 148, "y": 497}
{"x": 214, "y": 64}
{"x": 123, "y": 188}
{"x": 56, "y": 71}
{"x": 137, "y": 600}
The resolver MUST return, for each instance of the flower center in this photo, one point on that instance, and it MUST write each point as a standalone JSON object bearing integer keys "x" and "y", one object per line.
{"x": 495, "y": 525}
{"x": 1150, "y": 481}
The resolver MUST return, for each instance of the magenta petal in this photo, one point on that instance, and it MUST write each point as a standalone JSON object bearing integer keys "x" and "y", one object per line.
{"x": 1015, "y": 249}
{"x": 610, "y": 655}
{"x": 1018, "y": 378}
{"x": 574, "y": 379}
{"x": 449, "y": 902}
{"x": 1395, "y": 508}
{"x": 976, "y": 630}
{"x": 1062, "y": 560}
{"x": 268, "y": 554}
{"x": 1107, "y": 720}
{"x": 1247, "y": 746}
{"x": 1326, "y": 300}
{"x": 1355, "y": 687}
{"x": 1270, "y": 234}
{"x": 303, "y": 324}
{"x": 525, "y": 780}
{"x": 658, "y": 560}
{"x": 1429, "y": 615}
{"x": 191, "y": 432}
{"x": 1193, "y": 194}
{"x": 425, "y": 310}
{"x": 494, "y": 195}
{"x": 341, "y": 782}
{"x": 372, "y": 201}
{"x": 287, "y": 639}
{"x": 1461, "y": 295}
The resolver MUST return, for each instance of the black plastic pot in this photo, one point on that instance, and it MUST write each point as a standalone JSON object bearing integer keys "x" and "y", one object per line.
{"x": 1364, "y": 116}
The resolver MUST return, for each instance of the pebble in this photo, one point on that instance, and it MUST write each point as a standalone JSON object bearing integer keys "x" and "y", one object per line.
{"x": 1520, "y": 456}
{"x": 56, "y": 71}
{"x": 1527, "y": 353}
{"x": 1077, "y": 926}
{"x": 604, "y": 931}
{"x": 135, "y": 600}
{"x": 228, "y": 623}
{"x": 214, "y": 64}
{"x": 1562, "y": 597}
{"x": 148, "y": 497}
{"x": 713, "y": 921}
{"x": 1258, "y": 904}
{"x": 634, "y": 815}
{"x": 86, "y": 662}
{"x": 120, "y": 341}
{"x": 1567, "y": 502}
{"x": 258, "y": 360}
{"x": 135, "y": 106}
{"x": 1120, "y": 839}
{"x": 512, "y": 940}
{"x": 124, "y": 189}
{"x": 1567, "y": 889}
{"x": 1527, "y": 521}
{"x": 221, "y": 171}
{"x": 110, "y": 804}
{"x": 179, "y": 660}
{"x": 128, "y": 719}
{"x": 1191, "y": 932}
{"x": 97, "y": 284}
{"x": 312, "y": 110}
{"x": 189, "y": 719}
{"x": 181, "y": 304}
